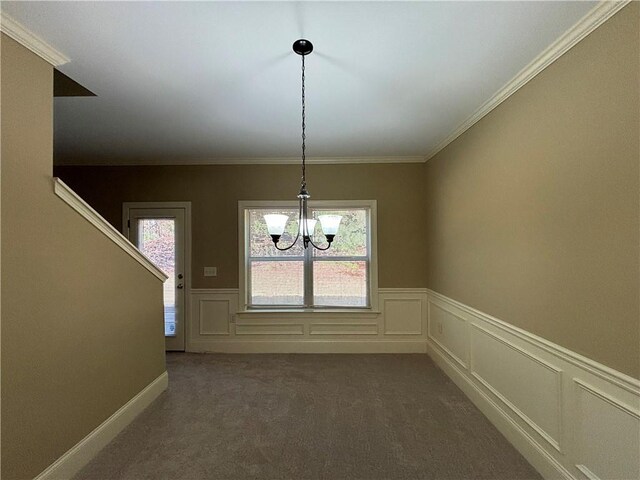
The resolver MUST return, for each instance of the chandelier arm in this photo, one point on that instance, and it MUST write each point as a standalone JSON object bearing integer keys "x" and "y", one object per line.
{"x": 275, "y": 244}
{"x": 289, "y": 247}
{"x": 322, "y": 249}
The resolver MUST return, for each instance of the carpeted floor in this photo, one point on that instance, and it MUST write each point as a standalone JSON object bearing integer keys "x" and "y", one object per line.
{"x": 308, "y": 417}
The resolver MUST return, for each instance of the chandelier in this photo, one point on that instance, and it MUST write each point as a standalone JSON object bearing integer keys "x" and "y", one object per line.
{"x": 276, "y": 223}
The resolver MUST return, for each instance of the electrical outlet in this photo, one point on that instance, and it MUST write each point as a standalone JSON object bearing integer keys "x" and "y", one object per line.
{"x": 210, "y": 271}
{"x": 440, "y": 328}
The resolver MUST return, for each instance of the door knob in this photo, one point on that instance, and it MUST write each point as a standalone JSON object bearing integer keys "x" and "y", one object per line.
{"x": 180, "y": 286}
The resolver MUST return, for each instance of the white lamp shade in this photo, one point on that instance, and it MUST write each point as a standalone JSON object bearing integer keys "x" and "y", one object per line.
{"x": 311, "y": 225}
{"x": 330, "y": 223}
{"x": 276, "y": 223}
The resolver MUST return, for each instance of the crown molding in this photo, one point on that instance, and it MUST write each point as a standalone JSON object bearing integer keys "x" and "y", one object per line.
{"x": 27, "y": 39}
{"x": 312, "y": 160}
{"x": 587, "y": 24}
{"x": 237, "y": 161}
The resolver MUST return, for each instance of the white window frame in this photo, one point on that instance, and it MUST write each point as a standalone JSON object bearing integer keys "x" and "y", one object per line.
{"x": 243, "y": 243}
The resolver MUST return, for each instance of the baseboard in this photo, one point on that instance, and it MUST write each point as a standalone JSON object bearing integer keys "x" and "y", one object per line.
{"x": 78, "y": 456}
{"x": 546, "y": 465}
{"x": 565, "y": 413}
{"x": 290, "y": 346}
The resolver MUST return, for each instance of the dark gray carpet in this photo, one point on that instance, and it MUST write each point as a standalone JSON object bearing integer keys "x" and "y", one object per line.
{"x": 308, "y": 417}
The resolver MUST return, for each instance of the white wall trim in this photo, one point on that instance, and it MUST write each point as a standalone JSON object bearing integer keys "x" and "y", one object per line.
{"x": 72, "y": 199}
{"x": 545, "y": 463}
{"x": 307, "y": 331}
{"x": 554, "y": 442}
{"x": 343, "y": 328}
{"x": 24, "y": 37}
{"x": 79, "y": 455}
{"x": 402, "y": 290}
{"x": 606, "y": 373}
{"x": 464, "y": 362}
{"x": 244, "y": 161}
{"x": 344, "y": 314}
{"x": 634, "y": 412}
{"x": 310, "y": 346}
{"x": 587, "y": 24}
{"x": 570, "y": 416}
{"x": 383, "y": 290}
{"x": 587, "y": 473}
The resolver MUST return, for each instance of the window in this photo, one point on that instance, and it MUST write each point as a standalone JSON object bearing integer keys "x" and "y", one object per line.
{"x": 342, "y": 277}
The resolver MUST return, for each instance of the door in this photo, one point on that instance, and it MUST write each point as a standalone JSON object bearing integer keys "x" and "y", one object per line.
{"x": 160, "y": 234}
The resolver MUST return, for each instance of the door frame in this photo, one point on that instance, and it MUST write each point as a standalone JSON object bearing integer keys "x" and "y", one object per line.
{"x": 186, "y": 206}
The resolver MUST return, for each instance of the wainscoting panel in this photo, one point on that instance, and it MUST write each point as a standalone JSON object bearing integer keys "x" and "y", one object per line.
{"x": 216, "y": 325}
{"x": 607, "y": 435}
{"x": 260, "y": 328}
{"x": 449, "y": 331}
{"x": 530, "y": 386}
{"x": 337, "y": 328}
{"x": 214, "y": 316}
{"x": 569, "y": 416}
{"x": 403, "y": 316}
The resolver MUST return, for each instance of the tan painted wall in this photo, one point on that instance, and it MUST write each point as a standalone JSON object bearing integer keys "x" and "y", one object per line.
{"x": 81, "y": 320}
{"x": 215, "y": 191}
{"x": 533, "y": 214}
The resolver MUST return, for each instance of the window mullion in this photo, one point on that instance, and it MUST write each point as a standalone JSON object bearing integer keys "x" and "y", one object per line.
{"x": 308, "y": 277}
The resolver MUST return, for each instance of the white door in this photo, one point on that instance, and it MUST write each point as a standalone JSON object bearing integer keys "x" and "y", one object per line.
{"x": 160, "y": 234}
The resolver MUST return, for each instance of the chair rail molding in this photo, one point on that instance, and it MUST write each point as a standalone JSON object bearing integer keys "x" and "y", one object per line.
{"x": 570, "y": 416}
{"x": 72, "y": 199}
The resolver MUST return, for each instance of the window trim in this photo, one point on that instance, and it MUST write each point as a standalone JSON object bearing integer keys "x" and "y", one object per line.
{"x": 245, "y": 205}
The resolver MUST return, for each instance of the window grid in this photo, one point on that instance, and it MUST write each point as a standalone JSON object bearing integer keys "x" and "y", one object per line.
{"x": 309, "y": 259}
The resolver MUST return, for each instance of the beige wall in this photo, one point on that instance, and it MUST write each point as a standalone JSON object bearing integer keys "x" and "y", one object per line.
{"x": 215, "y": 191}
{"x": 532, "y": 214}
{"x": 81, "y": 320}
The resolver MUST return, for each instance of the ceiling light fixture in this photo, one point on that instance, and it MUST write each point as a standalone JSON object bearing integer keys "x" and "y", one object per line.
{"x": 276, "y": 223}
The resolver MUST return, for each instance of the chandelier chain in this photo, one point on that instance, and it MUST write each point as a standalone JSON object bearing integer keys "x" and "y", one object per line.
{"x": 304, "y": 136}
{"x": 276, "y": 223}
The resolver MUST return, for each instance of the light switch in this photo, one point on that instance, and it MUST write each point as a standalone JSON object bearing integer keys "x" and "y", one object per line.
{"x": 210, "y": 272}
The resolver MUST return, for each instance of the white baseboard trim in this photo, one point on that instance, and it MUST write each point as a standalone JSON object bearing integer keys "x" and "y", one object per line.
{"x": 569, "y": 416}
{"x": 79, "y": 455}
{"x": 544, "y": 463}
{"x": 290, "y": 346}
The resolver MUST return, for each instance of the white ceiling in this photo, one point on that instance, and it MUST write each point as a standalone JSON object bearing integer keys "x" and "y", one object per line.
{"x": 192, "y": 82}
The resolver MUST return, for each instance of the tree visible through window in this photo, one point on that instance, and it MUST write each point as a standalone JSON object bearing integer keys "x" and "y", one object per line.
{"x": 338, "y": 277}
